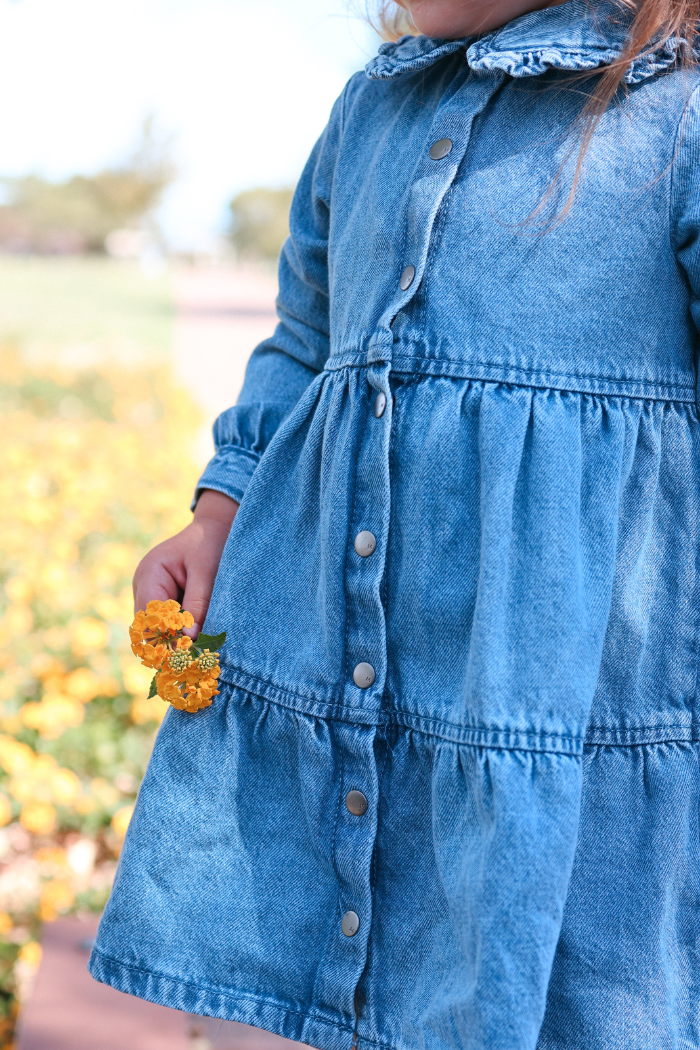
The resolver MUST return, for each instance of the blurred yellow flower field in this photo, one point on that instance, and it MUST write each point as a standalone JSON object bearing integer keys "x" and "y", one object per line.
{"x": 97, "y": 467}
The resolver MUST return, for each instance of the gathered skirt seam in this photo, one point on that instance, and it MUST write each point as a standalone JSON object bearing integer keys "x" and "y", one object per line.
{"x": 469, "y": 736}
{"x": 495, "y": 738}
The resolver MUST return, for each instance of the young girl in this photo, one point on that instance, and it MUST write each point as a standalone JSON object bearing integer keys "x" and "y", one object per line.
{"x": 449, "y": 794}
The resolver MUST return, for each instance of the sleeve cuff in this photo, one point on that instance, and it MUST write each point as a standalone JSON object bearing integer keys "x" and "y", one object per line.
{"x": 229, "y": 471}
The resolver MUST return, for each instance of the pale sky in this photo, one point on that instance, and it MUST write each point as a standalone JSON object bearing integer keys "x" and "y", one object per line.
{"x": 245, "y": 87}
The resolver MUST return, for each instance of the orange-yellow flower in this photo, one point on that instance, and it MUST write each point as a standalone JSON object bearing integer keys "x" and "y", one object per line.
{"x": 207, "y": 661}
{"x": 185, "y": 679}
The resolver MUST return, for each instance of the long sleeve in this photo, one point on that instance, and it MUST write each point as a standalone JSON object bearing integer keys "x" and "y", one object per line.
{"x": 685, "y": 199}
{"x": 280, "y": 368}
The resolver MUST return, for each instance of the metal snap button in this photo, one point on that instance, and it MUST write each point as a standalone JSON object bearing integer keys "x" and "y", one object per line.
{"x": 350, "y": 923}
{"x": 440, "y": 149}
{"x": 407, "y": 278}
{"x": 365, "y": 544}
{"x": 363, "y": 675}
{"x": 356, "y": 803}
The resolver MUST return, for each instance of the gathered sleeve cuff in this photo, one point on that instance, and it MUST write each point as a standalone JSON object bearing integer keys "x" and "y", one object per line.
{"x": 229, "y": 471}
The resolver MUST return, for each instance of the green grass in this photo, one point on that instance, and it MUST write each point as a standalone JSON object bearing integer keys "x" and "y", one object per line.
{"x": 49, "y": 303}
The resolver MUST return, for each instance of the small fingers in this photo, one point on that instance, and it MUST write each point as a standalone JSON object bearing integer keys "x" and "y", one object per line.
{"x": 153, "y": 582}
{"x": 196, "y": 599}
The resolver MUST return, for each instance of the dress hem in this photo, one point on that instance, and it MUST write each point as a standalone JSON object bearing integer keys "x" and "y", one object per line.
{"x": 227, "y": 1005}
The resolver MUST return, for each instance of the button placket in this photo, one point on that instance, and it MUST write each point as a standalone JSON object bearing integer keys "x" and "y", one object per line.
{"x": 364, "y": 567}
{"x": 353, "y": 847}
{"x": 445, "y": 145}
{"x": 365, "y": 623}
{"x": 366, "y": 656}
{"x": 350, "y": 925}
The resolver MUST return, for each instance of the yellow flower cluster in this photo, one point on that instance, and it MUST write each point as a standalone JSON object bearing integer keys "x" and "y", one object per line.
{"x": 186, "y": 673}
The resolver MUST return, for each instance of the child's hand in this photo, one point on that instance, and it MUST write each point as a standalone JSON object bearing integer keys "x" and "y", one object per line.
{"x": 186, "y": 564}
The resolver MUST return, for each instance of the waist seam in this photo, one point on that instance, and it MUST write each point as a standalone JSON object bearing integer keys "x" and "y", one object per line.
{"x": 512, "y": 375}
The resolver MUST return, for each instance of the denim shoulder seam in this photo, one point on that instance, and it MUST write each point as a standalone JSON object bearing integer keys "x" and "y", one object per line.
{"x": 359, "y": 76}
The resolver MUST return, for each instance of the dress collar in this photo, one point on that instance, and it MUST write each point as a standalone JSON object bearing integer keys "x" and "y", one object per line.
{"x": 574, "y": 36}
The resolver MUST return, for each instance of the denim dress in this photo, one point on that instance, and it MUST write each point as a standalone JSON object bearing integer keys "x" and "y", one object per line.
{"x": 449, "y": 794}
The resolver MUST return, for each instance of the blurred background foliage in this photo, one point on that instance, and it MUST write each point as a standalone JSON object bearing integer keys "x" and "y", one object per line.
{"x": 97, "y": 468}
{"x": 79, "y": 213}
{"x": 84, "y": 307}
{"x": 113, "y": 211}
{"x": 260, "y": 222}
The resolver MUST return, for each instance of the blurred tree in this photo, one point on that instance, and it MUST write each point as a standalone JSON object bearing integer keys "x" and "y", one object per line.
{"x": 77, "y": 215}
{"x": 260, "y": 222}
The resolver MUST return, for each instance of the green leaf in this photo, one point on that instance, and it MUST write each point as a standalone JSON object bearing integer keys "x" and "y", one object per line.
{"x": 212, "y": 642}
{"x": 152, "y": 691}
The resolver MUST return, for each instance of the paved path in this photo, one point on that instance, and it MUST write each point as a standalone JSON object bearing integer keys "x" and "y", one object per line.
{"x": 67, "y": 1010}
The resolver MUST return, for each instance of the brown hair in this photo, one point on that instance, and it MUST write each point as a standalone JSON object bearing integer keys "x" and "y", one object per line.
{"x": 654, "y": 24}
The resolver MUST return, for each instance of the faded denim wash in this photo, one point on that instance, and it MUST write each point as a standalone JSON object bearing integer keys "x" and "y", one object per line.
{"x": 527, "y": 873}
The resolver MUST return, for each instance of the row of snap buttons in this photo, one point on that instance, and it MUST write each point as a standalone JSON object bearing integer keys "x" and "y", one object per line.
{"x": 365, "y": 544}
{"x": 363, "y": 676}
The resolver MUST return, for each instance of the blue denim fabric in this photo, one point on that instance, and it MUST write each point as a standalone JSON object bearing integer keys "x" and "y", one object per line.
{"x": 527, "y": 872}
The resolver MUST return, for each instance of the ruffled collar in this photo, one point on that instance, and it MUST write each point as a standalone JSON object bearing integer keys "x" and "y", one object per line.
{"x": 573, "y": 36}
